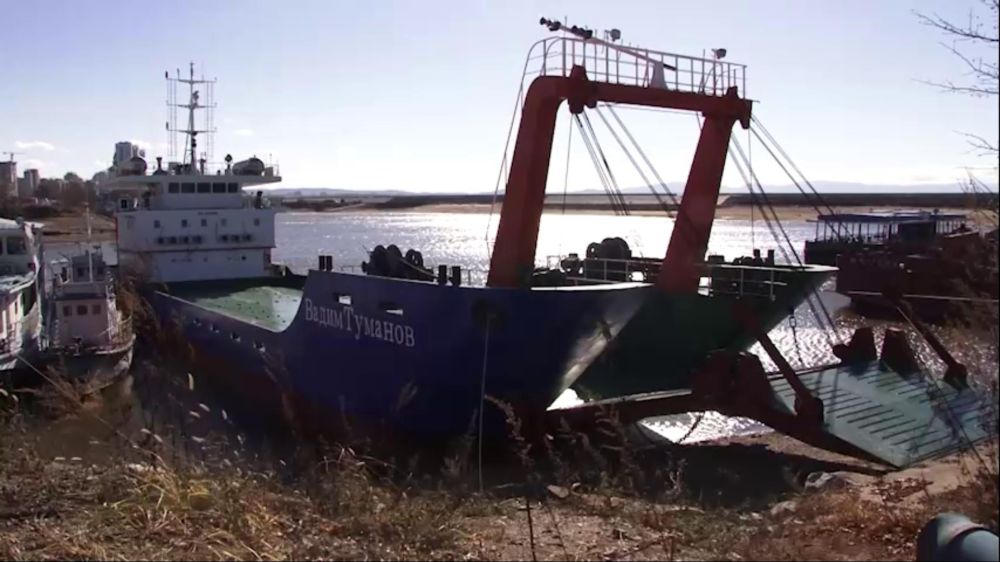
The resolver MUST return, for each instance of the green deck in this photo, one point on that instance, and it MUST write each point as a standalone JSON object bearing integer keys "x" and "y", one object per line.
{"x": 270, "y": 306}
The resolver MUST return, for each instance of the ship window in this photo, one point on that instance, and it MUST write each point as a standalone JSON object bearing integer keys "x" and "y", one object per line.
{"x": 80, "y": 273}
{"x": 196, "y": 239}
{"x": 343, "y": 299}
{"x": 67, "y": 310}
{"x": 156, "y": 224}
{"x": 95, "y": 309}
{"x": 218, "y": 188}
{"x": 224, "y": 237}
{"x": 159, "y": 240}
{"x": 16, "y": 246}
{"x": 222, "y": 222}
{"x": 186, "y": 240}
{"x": 247, "y": 237}
{"x": 184, "y": 223}
{"x": 172, "y": 239}
{"x": 259, "y": 346}
{"x": 204, "y": 188}
{"x": 204, "y": 222}
{"x": 233, "y": 188}
{"x": 187, "y": 188}
{"x": 173, "y": 187}
{"x": 234, "y": 336}
{"x": 256, "y": 222}
{"x": 81, "y": 310}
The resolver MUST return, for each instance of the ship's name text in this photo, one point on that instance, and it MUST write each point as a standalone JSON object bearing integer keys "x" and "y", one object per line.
{"x": 360, "y": 325}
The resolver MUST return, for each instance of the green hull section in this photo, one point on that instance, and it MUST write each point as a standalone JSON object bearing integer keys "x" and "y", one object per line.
{"x": 671, "y": 336}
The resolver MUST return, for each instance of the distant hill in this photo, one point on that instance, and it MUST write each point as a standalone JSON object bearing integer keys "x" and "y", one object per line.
{"x": 676, "y": 187}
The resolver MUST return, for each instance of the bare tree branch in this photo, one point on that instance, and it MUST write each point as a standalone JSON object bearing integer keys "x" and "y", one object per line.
{"x": 972, "y": 31}
{"x": 984, "y": 75}
{"x": 984, "y": 146}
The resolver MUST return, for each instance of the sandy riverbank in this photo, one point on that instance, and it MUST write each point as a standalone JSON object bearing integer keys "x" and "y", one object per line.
{"x": 72, "y": 227}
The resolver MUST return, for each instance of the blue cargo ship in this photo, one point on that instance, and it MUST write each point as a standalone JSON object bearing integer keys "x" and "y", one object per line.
{"x": 405, "y": 350}
{"x": 415, "y": 357}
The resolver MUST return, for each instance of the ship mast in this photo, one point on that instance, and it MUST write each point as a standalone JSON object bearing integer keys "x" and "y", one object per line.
{"x": 190, "y": 154}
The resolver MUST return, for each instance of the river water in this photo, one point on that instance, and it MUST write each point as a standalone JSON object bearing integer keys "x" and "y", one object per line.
{"x": 463, "y": 239}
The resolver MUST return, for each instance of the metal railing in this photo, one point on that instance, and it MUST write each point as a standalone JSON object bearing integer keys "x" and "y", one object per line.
{"x": 635, "y": 66}
{"x": 220, "y": 169}
{"x": 717, "y": 278}
{"x": 471, "y": 277}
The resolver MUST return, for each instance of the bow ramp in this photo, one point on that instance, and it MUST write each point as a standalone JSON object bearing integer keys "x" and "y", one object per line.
{"x": 876, "y": 408}
{"x": 897, "y": 419}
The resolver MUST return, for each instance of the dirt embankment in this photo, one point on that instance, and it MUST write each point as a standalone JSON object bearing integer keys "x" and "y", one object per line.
{"x": 71, "y": 226}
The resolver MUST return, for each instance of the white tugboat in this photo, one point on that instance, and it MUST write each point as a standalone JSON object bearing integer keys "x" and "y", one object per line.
{"x": 89, "y": 338}
{"x": 20, "y": 317}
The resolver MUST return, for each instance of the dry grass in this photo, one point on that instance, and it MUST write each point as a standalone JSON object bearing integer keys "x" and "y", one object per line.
{"x": 127, "y": 511}
{"x": 348, "y": 506}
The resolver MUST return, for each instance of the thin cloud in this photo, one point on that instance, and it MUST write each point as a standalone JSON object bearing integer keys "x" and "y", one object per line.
{"x": 43, "y": 166}
{"x": 35, "y": 145}
{"x": 243, "y": 132}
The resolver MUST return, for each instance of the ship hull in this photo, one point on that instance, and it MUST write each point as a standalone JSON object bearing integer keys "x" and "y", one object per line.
{"x": 24, "y": 346}
{"x": 672, "y": 335}
{"x": 91, "y": 370}
{"x": 381, "y": 355}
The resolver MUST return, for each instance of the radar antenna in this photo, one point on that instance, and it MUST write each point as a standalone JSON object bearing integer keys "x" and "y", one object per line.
{"x": 191, "y": 131}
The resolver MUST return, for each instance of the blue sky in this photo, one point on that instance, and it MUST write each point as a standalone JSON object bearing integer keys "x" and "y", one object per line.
{"x": 417, "y": 95}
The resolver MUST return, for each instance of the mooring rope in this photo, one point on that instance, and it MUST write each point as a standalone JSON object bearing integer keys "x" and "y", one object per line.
{"x": 482, "y": 398}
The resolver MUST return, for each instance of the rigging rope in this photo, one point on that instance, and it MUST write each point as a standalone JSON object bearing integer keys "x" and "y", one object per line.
{"x": 569, "y": 145}
{"x": 753, "y": 230}
{"x": 501, "y": 174}
{"x": 615, "y": 204}
{"x": 642, "y": 154}
{"x": 750, "y": 182}
{"x": 659, "y": 199}
{"x": 815, "y": 193}
{"x": 613, "y": 182}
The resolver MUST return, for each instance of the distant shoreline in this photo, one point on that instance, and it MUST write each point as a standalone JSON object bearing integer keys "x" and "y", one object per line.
{"x": 71, "y": 227}
{"x": 735, "y": 212}
{"x": 793, "y": 206}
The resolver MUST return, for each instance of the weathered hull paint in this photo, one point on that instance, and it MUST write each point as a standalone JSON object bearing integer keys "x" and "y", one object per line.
{"x": 410, "y": 357}
{"x": 672, "y": 335}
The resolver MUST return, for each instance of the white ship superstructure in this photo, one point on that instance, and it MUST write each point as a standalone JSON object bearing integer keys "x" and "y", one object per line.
{"x": 189, "y": 222}
{"x": 20, "y": 320}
